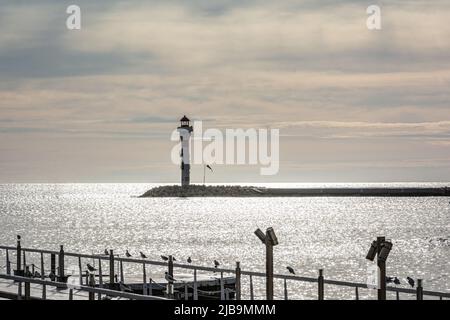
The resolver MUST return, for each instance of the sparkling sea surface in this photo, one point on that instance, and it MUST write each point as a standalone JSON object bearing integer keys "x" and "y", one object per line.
{"x": 330, "y": 233}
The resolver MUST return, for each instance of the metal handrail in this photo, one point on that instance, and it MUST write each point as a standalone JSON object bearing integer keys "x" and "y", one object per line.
{"x": 223, "y": 270}
{"x": 107, "y": 292}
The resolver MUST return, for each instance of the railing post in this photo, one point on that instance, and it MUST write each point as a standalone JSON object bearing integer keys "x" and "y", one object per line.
{"x": 252, "y": 295}
{"x": 24, "y": 260}
{"x": 42, "y": 267}
{"x": 111, "y": 269}
{"x": 170, "y": 272}
{"x": 144, "y": 278}
{"x": 80, "y": 271}
{"x": 8, "y": 263}
{"x": 285, "y": 290}
{"x": 356, "y": 293}
{"x": 61, "y": 264}
{"x": 238, "y": 280}
{"x": 19, "y": 291}
{"x": 53, "y": 264}
{"x": 321, "y": 285}
{"x": 122, "y": 278}
{"x": 18, "y": 271}
{"x": 419, "y": 289}
{"x": 397, "y": 295}
{"x": 91, "y": 284}
{"x": 100, "y": 277}
{"x": 186, "y": 292}
{"x": 70, "y": 294}
{"x": 222, "y": 287}
{"x": 44, "y": 292}
{"x": 27, "y": 291}
{"x": 195, "y": 285}
{"x": 150, "y": 288}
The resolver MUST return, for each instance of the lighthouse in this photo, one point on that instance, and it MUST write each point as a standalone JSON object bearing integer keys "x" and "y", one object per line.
{"x": 185, "y": 130}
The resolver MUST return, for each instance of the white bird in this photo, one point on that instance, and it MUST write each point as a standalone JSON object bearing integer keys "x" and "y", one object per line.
{"x": 168, "y": 277}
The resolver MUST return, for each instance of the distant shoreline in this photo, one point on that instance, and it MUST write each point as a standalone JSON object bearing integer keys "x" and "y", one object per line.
{"x": 249, "y": 191}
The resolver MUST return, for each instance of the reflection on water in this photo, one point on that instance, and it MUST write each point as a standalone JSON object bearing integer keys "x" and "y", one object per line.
{"x": 329, "y": 233}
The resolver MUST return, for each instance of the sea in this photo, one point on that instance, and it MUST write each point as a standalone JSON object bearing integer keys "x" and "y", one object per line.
{"x": 329, "y": 233}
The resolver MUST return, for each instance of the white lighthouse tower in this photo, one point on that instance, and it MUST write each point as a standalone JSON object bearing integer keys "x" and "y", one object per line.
{"x": 185, "y": 135}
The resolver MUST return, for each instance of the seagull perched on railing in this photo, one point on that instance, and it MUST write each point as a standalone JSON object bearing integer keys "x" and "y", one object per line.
{"x": 410, "y": 281}
{"x": 396, "y": 281}
{"x": 189, "y": 260}
{"x": 127, "y": 254}
{"x": 169, "y": 278}
{"x": 90, "y": 268}
{"x": 216, "y": 263}
{"x": 106, "y": 252}
{"x": 290, "y": 269}
{"x": 389, "y": 279}
{"x": 164, "y": 258}
{"x": 143, "y": 256}
{"x": 36, "y": 274}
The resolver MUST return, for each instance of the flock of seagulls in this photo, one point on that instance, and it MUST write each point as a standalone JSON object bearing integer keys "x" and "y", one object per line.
{"x": 397, "y": 282}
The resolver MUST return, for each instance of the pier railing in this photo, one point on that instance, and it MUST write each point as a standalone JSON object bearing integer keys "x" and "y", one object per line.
{"x": 21, "y": 255}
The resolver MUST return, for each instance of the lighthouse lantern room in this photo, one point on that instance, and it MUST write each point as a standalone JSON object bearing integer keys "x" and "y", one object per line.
{"x": 185, "y": 130}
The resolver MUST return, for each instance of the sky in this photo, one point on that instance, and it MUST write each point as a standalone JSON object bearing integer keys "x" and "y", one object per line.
{"x": 99, "y": 104}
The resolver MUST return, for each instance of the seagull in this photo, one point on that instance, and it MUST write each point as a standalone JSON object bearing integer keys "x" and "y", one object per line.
{"x": 396, "y": 281}
{"x": 37, "y": 274}
{"x": 19, "y": 237}
{"x": 173, "y": 259}
{"x": 389, "y": 279}
{"x": 164, "y": 258}
{"x": 127, "y": 254}
{"x": 291, "y": 270}
{"x": 189, "y": 260}
{"x": 216, "y": 263}
{"x": 90, "y": 268}
{"x": 143, "y": 256}
{"x": 106, "y": 252}
{"x": 52, "y": 276}
{"x": 168, "y": 277}
{"x": 410, "y": 281}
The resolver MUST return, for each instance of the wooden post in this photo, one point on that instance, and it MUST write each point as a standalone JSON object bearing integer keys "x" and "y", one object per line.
{"x": 269, "y": 269}
{"x": 61, "y": 264}
{"x": 252, "y": 296}
{"x": 122, "y": 279}
{"x": 44, "y": 292}
{"x": 144, "y": 278}
{"x": 170, "y": 272}
{"x": 356, "y": 293}
{"x": 27, "y": 291}
{"x": 321, "y": 285}
{"x": 42, "y": 267}
{"x": 19, "y": 291}
{"x": 53, "y": 263}
{"x": 8, "y": 263}
{"x": 24, "y": 259}
{"x": 222, "y": 287}
{"x": 419, "y": 289}
{"x": 100, "y": 277}
{"x": 382, "y": 266}
{"x": 186, "y": 292}
{"x": 32, "y": 269}
{"x": 238, "y": 280}
{"x": 19, "y": 257}
{"x": 91, "y": 284}
{"x": 285, "y": 290}
{"x": 70, "y": 294}
{"x": 80, "y": 271}
{"x": 111, "y": 268}
{"x": 195, "y": 285}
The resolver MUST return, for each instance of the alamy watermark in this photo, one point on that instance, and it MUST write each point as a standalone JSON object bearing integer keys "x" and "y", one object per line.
{"x": 232, "y": 147}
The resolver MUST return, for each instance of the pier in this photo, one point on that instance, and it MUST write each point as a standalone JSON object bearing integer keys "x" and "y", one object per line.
{"x": 19, "y": 280}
